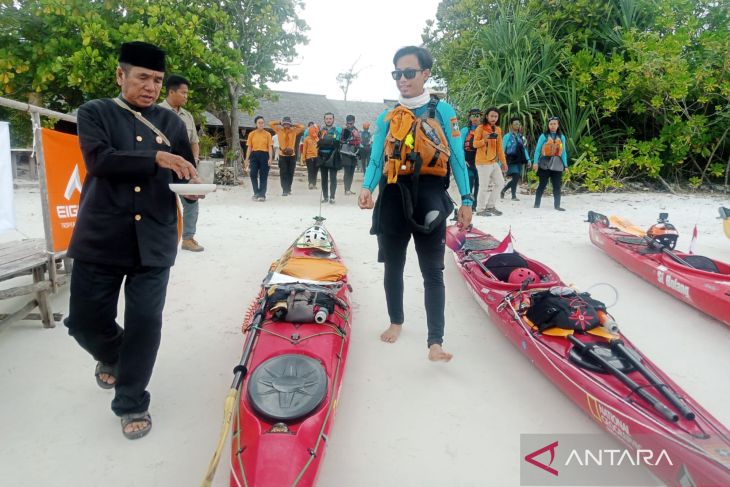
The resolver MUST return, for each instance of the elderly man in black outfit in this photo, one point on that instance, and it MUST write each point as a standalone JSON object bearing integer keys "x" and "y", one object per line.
{"x": 127, "y": 229}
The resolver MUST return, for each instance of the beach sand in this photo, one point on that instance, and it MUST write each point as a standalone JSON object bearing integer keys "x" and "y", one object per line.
{"x": 401, "y": 420}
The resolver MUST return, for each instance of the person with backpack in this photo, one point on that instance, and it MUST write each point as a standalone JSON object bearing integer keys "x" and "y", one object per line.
{"x": 286, "y": 136}
{"x": 515, "y": 149}
{"x": 329, "y": 156}
{"x": 309, "y": 154}
{"x": 348, "y": 151}
{"x": 490, "y": 160}
{"x": 416, "y": 146}
{"x": 551, "y": 159}
{"x": 470, "y": 152}
{"x": 365, "y": 146}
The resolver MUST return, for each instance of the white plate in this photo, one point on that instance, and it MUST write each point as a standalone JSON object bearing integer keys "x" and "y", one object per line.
{"x": 192, "y": 189}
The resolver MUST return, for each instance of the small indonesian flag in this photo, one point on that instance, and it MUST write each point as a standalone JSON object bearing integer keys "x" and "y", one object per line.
{"x": 693, "y": 242}
{"x": 506, "y": 246}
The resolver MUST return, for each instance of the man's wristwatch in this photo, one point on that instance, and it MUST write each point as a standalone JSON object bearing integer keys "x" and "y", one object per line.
{"x": 466, "y": 200}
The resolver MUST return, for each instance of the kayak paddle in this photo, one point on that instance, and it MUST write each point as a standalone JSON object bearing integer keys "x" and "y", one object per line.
{"x": 240, "y": 372}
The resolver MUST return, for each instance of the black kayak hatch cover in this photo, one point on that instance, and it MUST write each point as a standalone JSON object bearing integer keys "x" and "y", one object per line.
{"x": 287, "y": 387}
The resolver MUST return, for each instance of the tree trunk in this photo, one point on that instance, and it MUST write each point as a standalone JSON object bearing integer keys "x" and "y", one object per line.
{"x": 225, "y": 119}
{"x": 233, "y": 123}
{"x": 666, "y": 185}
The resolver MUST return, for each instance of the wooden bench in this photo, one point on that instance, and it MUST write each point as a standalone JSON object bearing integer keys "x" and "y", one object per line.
{"x": 25, "y": 257}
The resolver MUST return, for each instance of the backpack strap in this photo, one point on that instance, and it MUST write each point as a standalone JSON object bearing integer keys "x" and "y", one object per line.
{"x": 143, "y": 120}
{"x": 431, "y": 108}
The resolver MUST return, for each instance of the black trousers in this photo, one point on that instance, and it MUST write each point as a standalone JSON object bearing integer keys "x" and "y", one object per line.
{"x": 286, "y": 172}
{"x": 349, "y": 176}
{"x": 512, "y": 184}
{"x": 329, "y": 180}
{"x": 545, "y": 175}
{"x": 364, "y": 156}
{"x": 430, "y": 250}
{"x": 92, "y": 322}
{"x": 312, "y": 171}
{"x": 473, "y": 183}
{"x": 259, "y": 171}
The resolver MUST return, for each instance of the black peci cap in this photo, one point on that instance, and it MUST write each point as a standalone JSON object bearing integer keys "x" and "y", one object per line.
{"x": 143, "y": 55}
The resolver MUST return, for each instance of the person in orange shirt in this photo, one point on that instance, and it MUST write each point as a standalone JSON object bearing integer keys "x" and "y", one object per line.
{"x": 309, "y": 154}
{"x": 287, "y": 134}
{"x": 259, "y": 147}
{"x": 490, "y": 160}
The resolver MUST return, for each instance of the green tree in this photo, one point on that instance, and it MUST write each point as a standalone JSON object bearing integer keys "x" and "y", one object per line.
{"x": 61, "y": 53}
{"x": 346, "y": 78}
{"x": 264, "y": 34}
{"x": 642, "y": 87}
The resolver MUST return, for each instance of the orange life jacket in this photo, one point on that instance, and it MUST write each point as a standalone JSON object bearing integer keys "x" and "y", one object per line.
{"x": 552, "y": 147}
{"x": 415, "y": 145}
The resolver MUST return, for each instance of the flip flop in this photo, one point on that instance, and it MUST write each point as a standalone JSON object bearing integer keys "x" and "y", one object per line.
{"x": 128, "y": 419}
{"x": 109, "y": 369}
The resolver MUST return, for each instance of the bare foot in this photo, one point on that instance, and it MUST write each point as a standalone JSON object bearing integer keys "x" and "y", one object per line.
{"x": 135, "y": 426}
{"x": 437, "y": 354}
{"x": 108, "y": 379}
{"x": 391, "y": 334}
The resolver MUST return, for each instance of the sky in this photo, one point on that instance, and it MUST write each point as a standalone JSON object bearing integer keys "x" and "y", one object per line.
{"x": 343, "y": 30}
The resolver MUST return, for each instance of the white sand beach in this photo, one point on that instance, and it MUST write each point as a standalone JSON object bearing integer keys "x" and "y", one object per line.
{"x": 401, "y": 420}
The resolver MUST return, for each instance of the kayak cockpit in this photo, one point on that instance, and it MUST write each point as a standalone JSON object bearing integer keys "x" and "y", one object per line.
{"x": 511, "y": 270}
{"x": 701, "y": 266}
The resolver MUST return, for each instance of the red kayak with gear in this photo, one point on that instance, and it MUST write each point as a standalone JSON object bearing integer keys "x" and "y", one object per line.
{"x": 573, "y": 340}
{"x": 697, "y": 280}
{"x": 286, "y": 387}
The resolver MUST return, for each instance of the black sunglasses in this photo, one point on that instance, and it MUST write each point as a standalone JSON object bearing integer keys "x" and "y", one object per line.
{"x": 409, "y": 73}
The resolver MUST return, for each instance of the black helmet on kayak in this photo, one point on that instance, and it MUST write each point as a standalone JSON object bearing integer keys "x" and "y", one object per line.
{"x": 665, "y": 233}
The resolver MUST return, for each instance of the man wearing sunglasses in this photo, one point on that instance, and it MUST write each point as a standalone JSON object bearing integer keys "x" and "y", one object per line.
{"x": 415, "y": 206}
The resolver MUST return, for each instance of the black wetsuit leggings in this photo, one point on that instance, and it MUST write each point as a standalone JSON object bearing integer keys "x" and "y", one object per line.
{"x": 513, "y": 183}
{"x": 430, "y": 250}
{"x": 545, "y": 175}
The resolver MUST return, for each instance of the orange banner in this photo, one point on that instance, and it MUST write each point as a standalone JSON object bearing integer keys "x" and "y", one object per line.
{"x": 65, "y": 173}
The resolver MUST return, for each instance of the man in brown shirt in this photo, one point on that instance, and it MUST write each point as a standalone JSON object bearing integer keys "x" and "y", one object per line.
{"x": 177, "y": 96}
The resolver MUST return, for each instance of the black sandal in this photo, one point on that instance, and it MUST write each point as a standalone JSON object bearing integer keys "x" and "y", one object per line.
{"x": 111, "y": 370}
{"x": 131, "y": 418}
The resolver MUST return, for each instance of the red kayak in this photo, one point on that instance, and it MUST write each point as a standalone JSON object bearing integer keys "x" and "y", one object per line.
{"x": 697, "y": 280}
{"x": 298, "y": 334}
{"x": 585, "y": 354}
